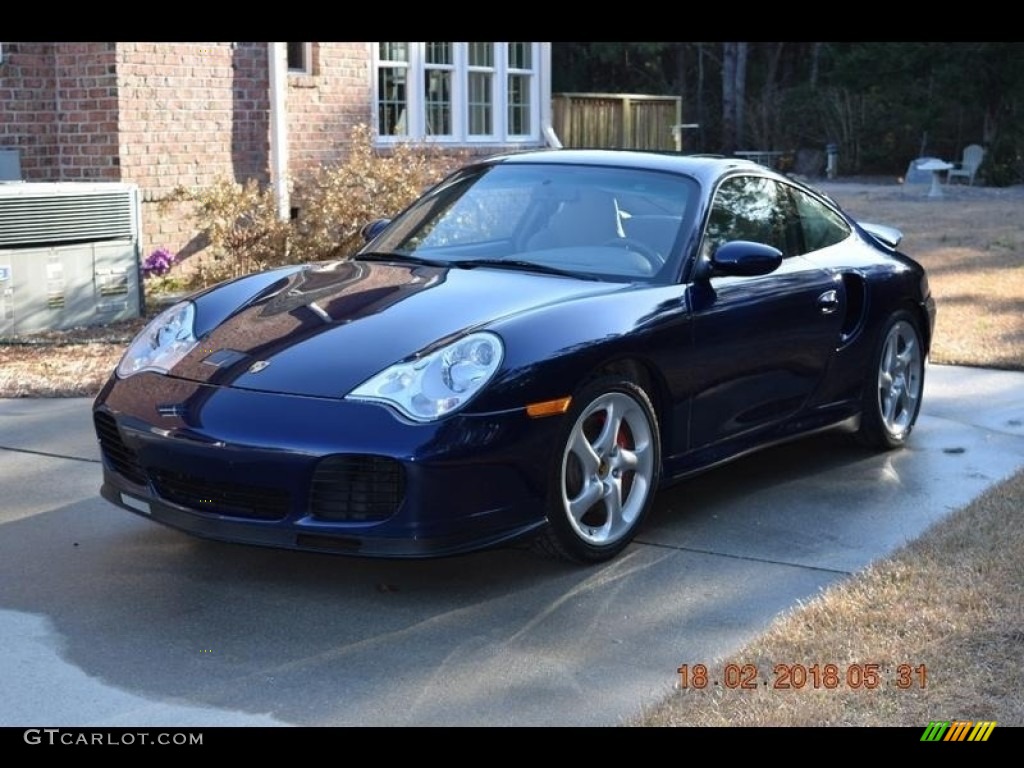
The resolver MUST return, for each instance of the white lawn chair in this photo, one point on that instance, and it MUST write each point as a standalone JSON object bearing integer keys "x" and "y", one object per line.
{"x": 968, "y": 167}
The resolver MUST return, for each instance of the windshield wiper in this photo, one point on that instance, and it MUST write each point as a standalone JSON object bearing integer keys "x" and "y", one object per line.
{"x": 520, "y": 264}
{"x": 402, "y": 257}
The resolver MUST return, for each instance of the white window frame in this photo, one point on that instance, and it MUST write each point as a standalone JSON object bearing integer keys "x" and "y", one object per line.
{"x": 415, "y": 117}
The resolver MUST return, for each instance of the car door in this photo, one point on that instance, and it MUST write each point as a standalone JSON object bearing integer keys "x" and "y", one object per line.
{"x": 761, "y": 344}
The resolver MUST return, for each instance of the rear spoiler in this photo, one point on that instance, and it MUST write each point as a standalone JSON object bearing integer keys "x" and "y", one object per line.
{"x": 890, "y": 237}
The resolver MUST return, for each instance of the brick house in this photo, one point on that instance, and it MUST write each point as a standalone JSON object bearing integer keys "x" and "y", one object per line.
{"x": 162, "y": 114}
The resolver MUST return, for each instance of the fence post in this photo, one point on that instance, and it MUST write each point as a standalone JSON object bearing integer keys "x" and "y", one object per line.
{"x": 627, "y": 122}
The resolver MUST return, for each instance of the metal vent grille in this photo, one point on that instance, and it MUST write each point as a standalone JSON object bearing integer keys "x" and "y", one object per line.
{"x": 357, "y": 488}
{"x": 40, "y": 219}
{"x": 122, "y": 458}
{"x": 222, "y": 498}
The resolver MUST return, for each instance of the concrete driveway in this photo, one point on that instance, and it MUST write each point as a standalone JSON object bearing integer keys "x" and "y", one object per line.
{"x": 107, "y": 619}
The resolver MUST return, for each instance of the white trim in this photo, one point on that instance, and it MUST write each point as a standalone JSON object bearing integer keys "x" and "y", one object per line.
{"x": 415, "y": 113}
{"x": 277, "y": 54}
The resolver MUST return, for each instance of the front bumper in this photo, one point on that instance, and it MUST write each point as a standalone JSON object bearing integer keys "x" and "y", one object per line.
{"x": 317, "y": 474}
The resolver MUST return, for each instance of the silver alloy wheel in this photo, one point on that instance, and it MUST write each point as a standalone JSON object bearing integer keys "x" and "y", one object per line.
{"x": 900, "y": 370}
{"x": 607, "y": 469}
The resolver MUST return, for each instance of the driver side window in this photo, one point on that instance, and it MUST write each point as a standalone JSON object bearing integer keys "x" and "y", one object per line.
{"x": 751, "y": 208}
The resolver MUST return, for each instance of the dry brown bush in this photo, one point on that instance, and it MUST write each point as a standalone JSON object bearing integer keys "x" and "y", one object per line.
{"x": 245, "y": 234}
{"x": 335, "y": 201}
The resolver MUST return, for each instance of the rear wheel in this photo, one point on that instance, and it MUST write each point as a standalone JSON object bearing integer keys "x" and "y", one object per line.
{"x": 605, "y": 474}
{"x": 894, "y": 385}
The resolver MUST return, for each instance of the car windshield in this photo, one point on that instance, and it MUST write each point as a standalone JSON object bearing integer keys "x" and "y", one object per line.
{"x": 620, "y": 224}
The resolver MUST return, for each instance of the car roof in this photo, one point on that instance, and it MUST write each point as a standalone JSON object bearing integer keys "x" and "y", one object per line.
{"x": 706, "y": 168}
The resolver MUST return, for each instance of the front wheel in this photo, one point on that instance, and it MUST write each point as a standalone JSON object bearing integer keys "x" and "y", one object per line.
{"x": 605, "y": 473}
{"x": 894, "y": 384}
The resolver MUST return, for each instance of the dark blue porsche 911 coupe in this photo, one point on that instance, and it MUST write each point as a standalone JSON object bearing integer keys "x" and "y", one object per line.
{"x": 530, "y": 350}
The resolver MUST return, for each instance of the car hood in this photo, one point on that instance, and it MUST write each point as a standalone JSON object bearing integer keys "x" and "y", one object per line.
{"x": 328, "y": 328}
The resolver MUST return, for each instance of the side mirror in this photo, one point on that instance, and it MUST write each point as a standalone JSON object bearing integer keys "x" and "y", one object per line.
{"x": 373, "y": 228}
{"x": 742, "y": 258}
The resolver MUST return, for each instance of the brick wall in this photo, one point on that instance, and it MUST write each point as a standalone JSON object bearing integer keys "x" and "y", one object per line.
{"x": 28, "y": 108}
{"x": 86, "y": 79}
{"x": 324, "y": 106}
{"x": 58, "y": 106}
{"x": 189, "y": 114}
{"x": 162, "y": 115}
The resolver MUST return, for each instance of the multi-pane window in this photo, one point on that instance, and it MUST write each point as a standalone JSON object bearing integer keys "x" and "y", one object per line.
{"x": 520, "y": 82}
{"x": 458, "y": 91}
{"x": 392, "y": 89}
{"x": 480, "y": 80}
{"x": 439, "y": 70}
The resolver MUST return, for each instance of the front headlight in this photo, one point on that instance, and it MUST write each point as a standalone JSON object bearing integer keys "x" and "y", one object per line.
{"x": 161, "y": 344}
{"x": 439, "y": 383}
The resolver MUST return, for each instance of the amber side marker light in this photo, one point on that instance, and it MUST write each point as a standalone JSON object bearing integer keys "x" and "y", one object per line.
{"x": 548, "y": 408}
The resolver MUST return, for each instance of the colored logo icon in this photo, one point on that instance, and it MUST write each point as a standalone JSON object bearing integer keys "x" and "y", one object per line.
{"x": 958, "y": 730}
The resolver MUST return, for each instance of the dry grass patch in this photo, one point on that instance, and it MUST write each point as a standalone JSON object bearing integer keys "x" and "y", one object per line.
{"x": 951, "y": 601}
{"x": 76, "y": 371}
{"x": 972, "y": 243}
{"x": 68, "y": 363}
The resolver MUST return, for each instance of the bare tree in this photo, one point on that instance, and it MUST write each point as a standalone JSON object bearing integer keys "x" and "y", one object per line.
{"x": 734, "y": 78}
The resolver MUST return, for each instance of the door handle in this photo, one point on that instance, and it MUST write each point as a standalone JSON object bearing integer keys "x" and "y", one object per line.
{"x": 828, "y": 302}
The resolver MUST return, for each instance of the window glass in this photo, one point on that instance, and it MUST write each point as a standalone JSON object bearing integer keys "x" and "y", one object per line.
{"x": 392, "y": 101}
{"x": 480, "y": 89}
{"x": 470, "y": 92}
{"x": 439, "y": 53}
{"x": 520, "y": 55}
{"x": 394, "y": 51}
{"x": 481, "y": 54}
{"x": 518, "y": 104}
{"x": 392, "y": 89}
{"x": 437, "y": 89}
{"x": 611, "y": 223}
{"x": 750, "y": 208}
{"x": 299, "y": 57}
{"x": 821, "y": 225}
{"x": 438, "y": 100}
{"x": 481, "y": 101}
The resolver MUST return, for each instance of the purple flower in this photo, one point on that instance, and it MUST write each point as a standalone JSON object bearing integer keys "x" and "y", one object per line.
{"x": 158, "y": 263}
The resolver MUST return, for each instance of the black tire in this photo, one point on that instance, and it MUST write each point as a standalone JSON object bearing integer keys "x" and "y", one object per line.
{"x": 894, "y": 384}
{"x": 605, "y": 472}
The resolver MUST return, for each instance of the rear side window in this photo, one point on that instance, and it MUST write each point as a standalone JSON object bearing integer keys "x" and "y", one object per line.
{"x": 820, "y": 225}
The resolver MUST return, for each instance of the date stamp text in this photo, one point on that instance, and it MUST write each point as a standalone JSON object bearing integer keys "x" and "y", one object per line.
{"x": 796, "y": 676}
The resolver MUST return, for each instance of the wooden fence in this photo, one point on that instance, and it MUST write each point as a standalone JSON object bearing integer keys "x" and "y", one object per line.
{"x": 617, "y": 120}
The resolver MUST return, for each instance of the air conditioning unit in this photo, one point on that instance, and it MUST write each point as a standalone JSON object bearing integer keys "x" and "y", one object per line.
{"x": 69, "y": 255}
